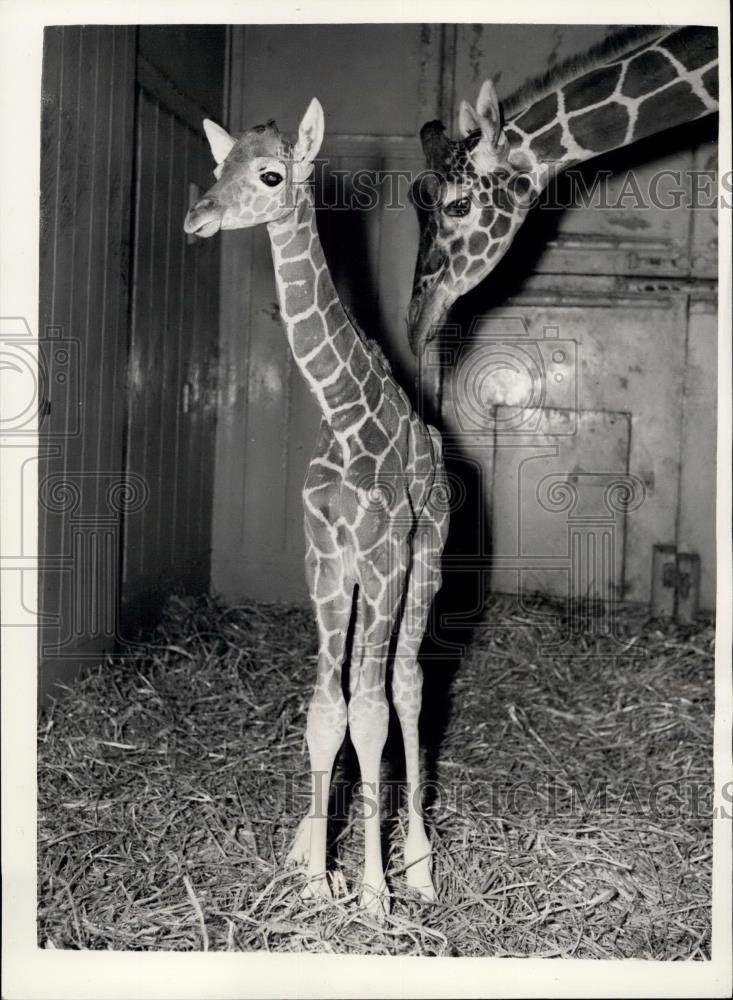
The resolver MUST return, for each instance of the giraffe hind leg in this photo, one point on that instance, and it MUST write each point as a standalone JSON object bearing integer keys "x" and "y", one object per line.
{"x": 423, "y": 585}
{"x": 378, "y": 608}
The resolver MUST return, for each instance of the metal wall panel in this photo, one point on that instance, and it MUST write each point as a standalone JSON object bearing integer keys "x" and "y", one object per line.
{"x": 555, "y": 531}
{"x": 626, "y": 354}
{"x": 697, "y": 508}
{"x": 86, "y": 155}
{"x": 348, "y": 67}
{"x": 704, "y": 222}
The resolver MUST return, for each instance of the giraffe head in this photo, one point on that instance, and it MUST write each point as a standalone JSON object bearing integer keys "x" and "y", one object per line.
{"x": 473, "y": 196}
{"x": 256, "y": 175}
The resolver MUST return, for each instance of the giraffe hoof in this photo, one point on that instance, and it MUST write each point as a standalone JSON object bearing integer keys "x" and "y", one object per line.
{"x": 300, "y": 851}
{"x": 339, "y": 889}
{"x": 376, "y": 903}
{"x": 317, "y": 887}
{"x": 419, "y": 878}
{"x": 426, "y": 891}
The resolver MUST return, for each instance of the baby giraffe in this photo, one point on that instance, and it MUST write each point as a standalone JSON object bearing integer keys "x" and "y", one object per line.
{"x": 375, "y": 499}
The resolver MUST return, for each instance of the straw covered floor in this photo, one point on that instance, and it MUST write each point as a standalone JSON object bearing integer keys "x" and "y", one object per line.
{"x": 568, "y": 787}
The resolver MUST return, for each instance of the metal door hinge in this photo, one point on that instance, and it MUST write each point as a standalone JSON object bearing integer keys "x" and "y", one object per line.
{"x": 675, "y": 583}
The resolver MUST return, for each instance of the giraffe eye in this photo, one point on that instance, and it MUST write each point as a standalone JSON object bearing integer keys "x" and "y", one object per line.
{"x": 458, "y": 208}
{"x": 271, "y": 178}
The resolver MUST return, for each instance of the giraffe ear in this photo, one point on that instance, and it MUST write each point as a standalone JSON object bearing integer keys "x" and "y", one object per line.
{"x": 468, "y": 120}
{"x": 488, "y": 113}
{"x": 310, "y": 137}
{"x": 219, "y": 140}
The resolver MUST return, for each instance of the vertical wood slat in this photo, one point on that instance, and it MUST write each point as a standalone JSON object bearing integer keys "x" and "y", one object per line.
{"x": 138, "y": 357}
{"x": 228, "y": 539}
{"x": 172, "y": 364}
{"x": 55, "y": 75}
{"x": 83, "y": 295}
{"x": 183, "y": 472}
{"x": 171, "y": 415}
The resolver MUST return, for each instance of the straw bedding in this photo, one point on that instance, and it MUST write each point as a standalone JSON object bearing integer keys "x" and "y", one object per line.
{"x": 568, "y": 794}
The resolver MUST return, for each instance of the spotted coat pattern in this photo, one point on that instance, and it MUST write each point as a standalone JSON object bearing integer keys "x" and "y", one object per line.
{"x": 479, "y": 188}
{"x": 375, "y": 501}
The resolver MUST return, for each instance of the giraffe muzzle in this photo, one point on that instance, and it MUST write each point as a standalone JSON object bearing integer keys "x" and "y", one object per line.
{"x": 425, "y": 316}
{"x": 203, "y": 218}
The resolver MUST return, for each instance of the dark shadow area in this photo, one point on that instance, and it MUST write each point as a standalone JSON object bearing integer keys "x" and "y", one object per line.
{"x": 344, "y": 235}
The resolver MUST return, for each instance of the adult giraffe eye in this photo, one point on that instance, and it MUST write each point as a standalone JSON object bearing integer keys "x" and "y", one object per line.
{"x": 271, "y": 178}
{"x": 458, "y": 208}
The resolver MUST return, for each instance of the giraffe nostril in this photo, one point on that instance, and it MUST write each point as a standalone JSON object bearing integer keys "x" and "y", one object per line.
{"x": 202, "y": 205}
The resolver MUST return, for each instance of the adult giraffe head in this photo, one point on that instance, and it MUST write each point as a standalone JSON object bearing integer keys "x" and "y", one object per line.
{"x": 478, "y": 188}
{"x": 255, "y": 175}
{"x": 474, "y": 195}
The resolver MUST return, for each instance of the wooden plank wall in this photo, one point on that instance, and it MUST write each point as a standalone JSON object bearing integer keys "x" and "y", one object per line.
{"x": 127, "y": 438}
{"x": 86, "y": 170}
{"x": 172, "y": 367}
{"x": 174, "y": 321}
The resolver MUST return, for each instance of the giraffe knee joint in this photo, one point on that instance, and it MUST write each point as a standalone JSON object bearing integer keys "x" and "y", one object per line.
{"x": 407, "y": 682}
{"x": 326, "y": 725}
{"x": 368, "y": 721}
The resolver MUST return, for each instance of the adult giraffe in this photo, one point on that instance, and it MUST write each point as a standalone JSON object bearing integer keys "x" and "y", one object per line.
{"x": 478, "y": 189}
{"x": 375, "y": 497}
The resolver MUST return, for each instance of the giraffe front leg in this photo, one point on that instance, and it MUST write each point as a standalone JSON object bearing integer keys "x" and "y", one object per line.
{"x": 301, "y": 848}
{"x": 325, "y": 731}
{"x": 326, "y": 721}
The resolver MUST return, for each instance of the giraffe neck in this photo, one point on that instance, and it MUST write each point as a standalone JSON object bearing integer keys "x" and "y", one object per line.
{"x": 661, "y": 84}
{"x": 326, "y": 346}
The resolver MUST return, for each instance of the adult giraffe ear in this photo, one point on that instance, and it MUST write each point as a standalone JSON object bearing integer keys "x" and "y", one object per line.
{"x": 219, "y": 140}
{"x": 486, "y": 116}
{"x": 310, "y": 137}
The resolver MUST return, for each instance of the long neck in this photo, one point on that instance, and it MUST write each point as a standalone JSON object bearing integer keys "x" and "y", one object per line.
{"x": 663, "y": 83}
{"x": 334, "y": 360}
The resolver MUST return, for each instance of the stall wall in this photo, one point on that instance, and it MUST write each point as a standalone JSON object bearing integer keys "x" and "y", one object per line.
{"x": 128, "y": 330}
{"x": 632, "y": 288}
